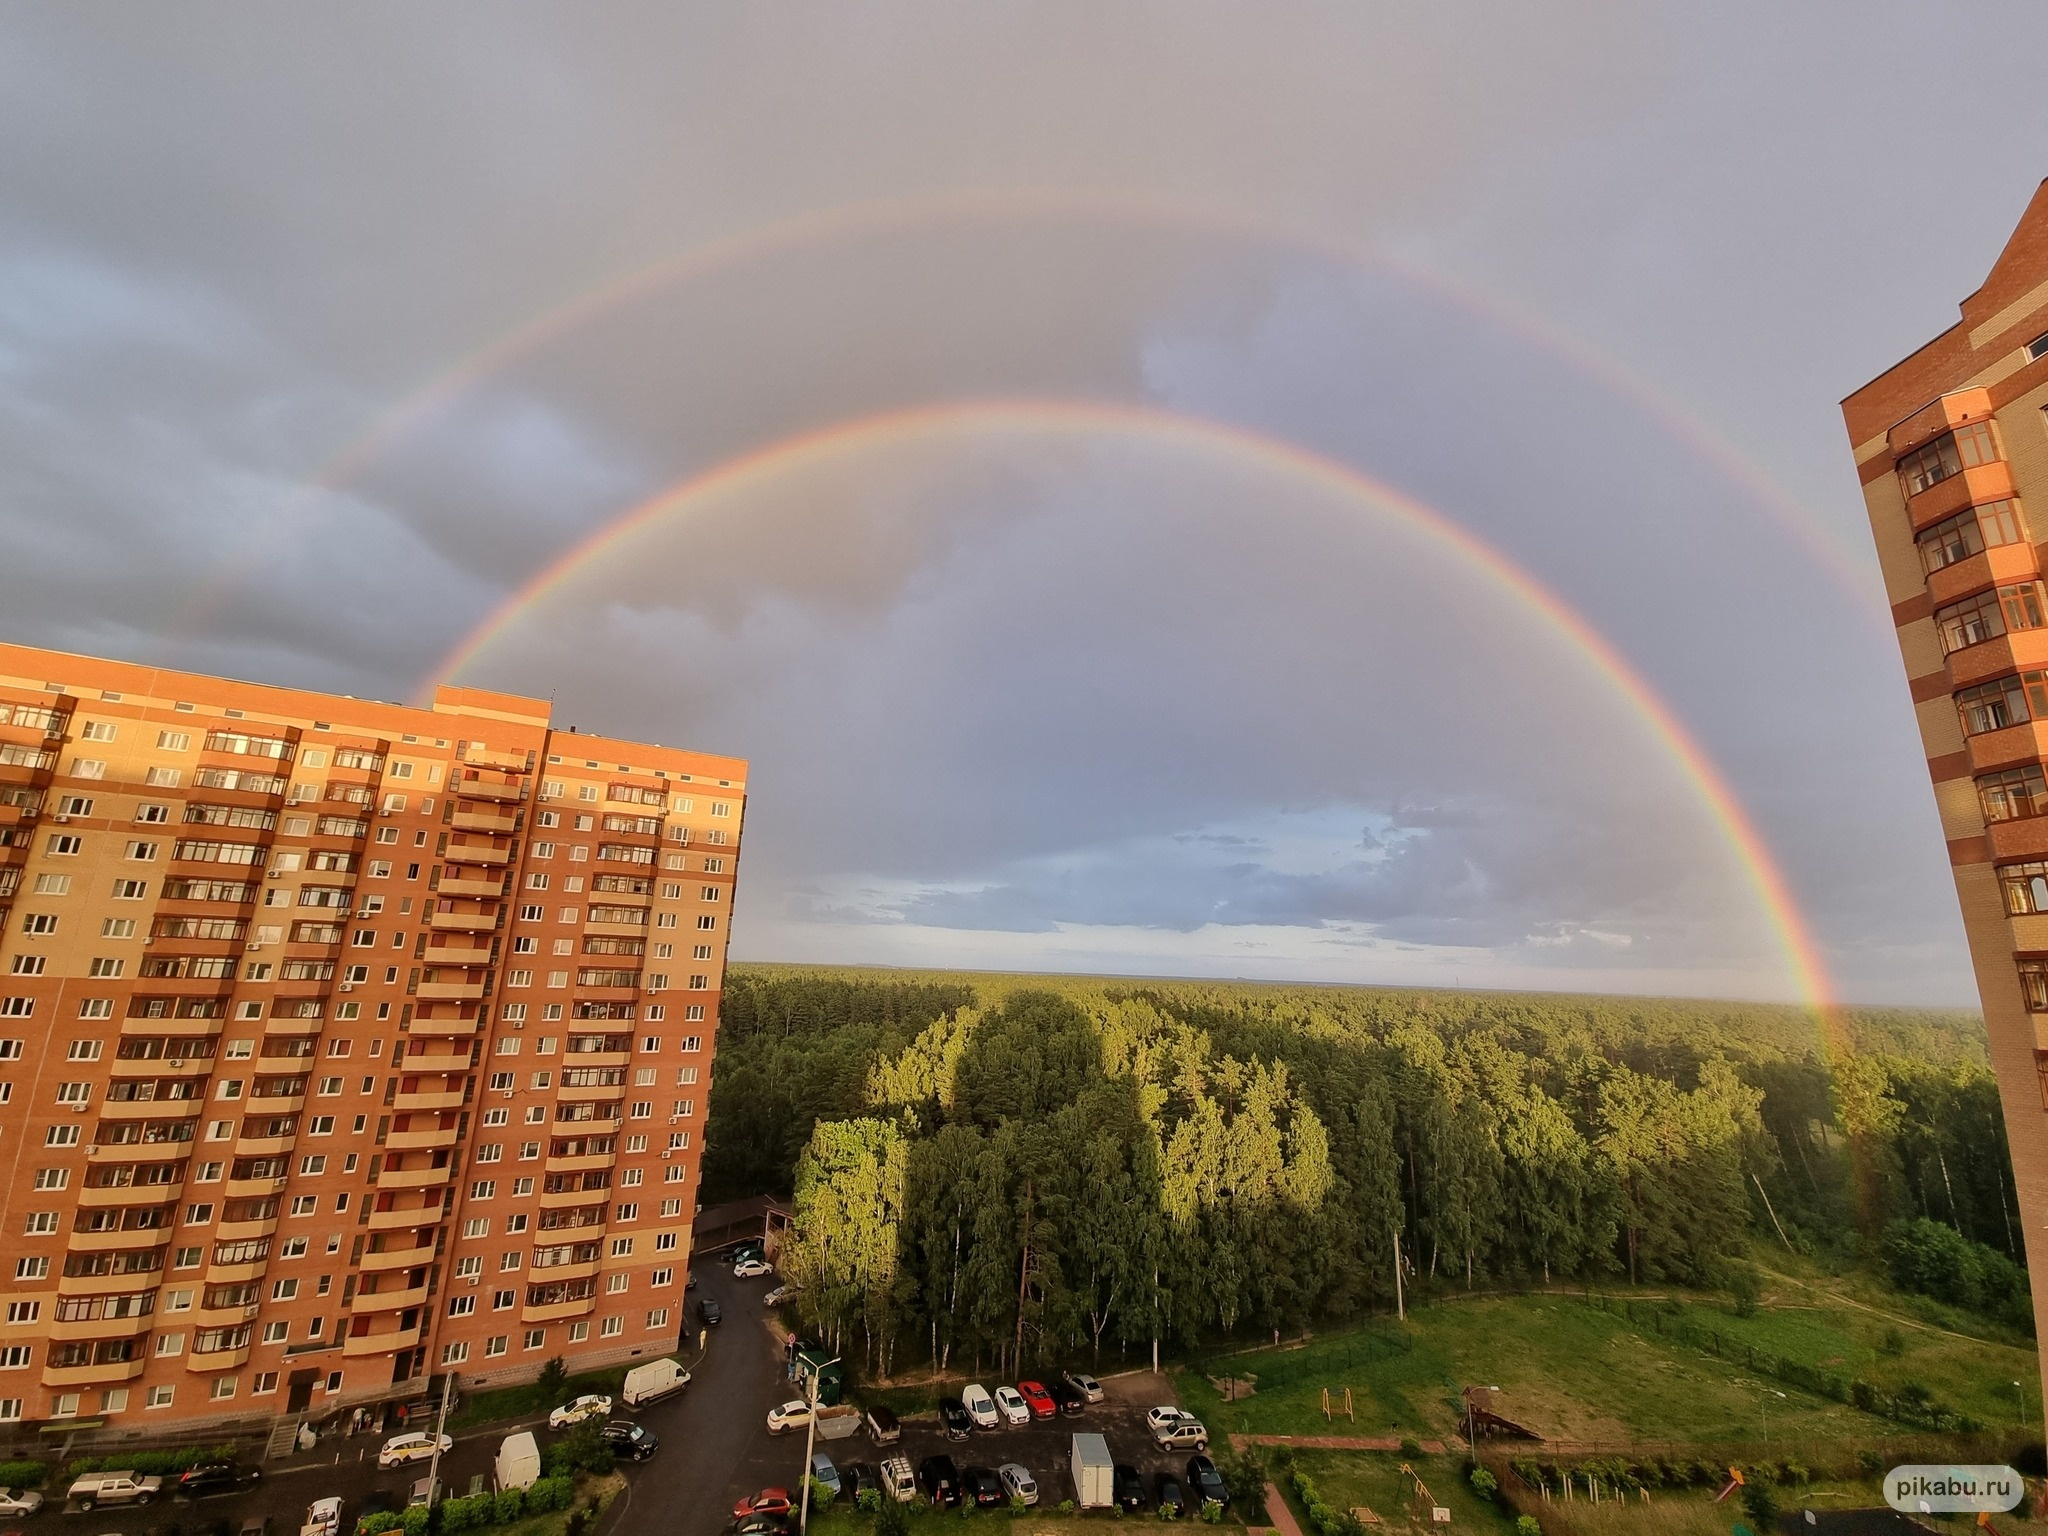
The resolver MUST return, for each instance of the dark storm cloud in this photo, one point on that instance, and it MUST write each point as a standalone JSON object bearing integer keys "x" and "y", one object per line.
{"x": 231, "y": 238}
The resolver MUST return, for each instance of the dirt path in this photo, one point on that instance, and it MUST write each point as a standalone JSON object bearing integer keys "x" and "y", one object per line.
{"x": 1335, "y": 1442}
{"x": 1863, "y": 1306}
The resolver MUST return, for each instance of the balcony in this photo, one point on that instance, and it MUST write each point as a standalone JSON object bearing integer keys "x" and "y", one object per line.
{"x": 560, "y": 1309}
{"x": 130, "y": 1194}
{"x": 2019, "y": 650}
{"x": 221, "y": 1360}
{"x": 2004, "y": 564}
{"x": 225, "y": 1317}
{"x": 275, "y": 1104}
{"x": 437, "y": 1100}
{"x": 448, "y": 954}
{"x": 107, "y": 1242}
{"x": 1971, "y": 487}
{"x": 412, "y": 1141}
{"x": 428, "y": 1024}
{"x": 2012, "y": 747}
{"x": 264, "y": 1146}
{"x": 617, "y": 930}
{"x": 380, "y": 1343}
{"x": 389, "y": 1301}
{"x": 408, "y": 1216}
{"x": 414, "y": 1178}
{"x": 450, "y": 991}
{"x": 476, "y": 853}
{"x": 453, "y": 887}
{"x": 465, "y": 922}
{"x": 488, "y": 789}
{"x": 572, "y": 1197}
{"x": 197, "y": 1066}
{"x": 151, "y": 1109}
{"x": 589, "y": 1164}
{"x": 93, "y": 1375}
{"x": 485, "y": 821}
{"x": 231, "y": 1274}
{"x": 274, "y": 1027}
{"x": 396, "y": 1258}
{"x": 553, "y": 1272}
{"x": 174, "y": 1028}
{"x": 592, "y": 1093}
{"x": 102, "y": 1327}
{"x": 236, "y": 1231}
{"x": 253, "y": 1189}
{"x": 597, "y": 1058}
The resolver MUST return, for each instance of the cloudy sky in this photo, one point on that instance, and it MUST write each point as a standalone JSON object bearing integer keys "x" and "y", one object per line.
{"x": 1056, "y": 633}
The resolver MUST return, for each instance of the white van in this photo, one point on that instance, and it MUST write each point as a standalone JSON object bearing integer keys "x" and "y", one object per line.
{"x": 980, "y": 1407}
{"x": 655, "y": 1380}
{"x": 518, "y": 1463}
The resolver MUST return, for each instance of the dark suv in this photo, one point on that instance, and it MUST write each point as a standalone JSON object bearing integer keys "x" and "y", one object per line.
{"x": 1206, "y": 1483}
{"x": 211, "y": 1477}
{"x": 954, "y": 1418}
{"x": 1067, "y": 1397}
{"x": 707, "y": 1310}
{"x": 940, "y": 1480}
{"x": 633, "y": 1441}
{"x": 1129, "y": 1488}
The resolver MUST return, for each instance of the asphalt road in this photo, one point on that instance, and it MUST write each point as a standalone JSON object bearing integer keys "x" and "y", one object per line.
{"x": 715, "y": 1446}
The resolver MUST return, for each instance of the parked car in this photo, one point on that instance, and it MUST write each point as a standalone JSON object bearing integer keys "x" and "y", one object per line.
{"x": 751, "y": 1269}
{"x": 882, "y": 1426}
{"x": 1018, "y": 1482}
{"x": 1168, "y": 1494}
{"x": 400, "y": 1449}
{"x": 765, "y": 1525}
{"x": 980, "y": 1406}
{"x": 426, "y": 1493}
{"x": 769, "y": 1501}
{"x": 635, "y": 1442}
{"x": 940, "y": 1480}
{"x": 323, "y": 1518}
{"x": 1155, "y": 1417}
{"x": 708, "y": 1313}
{"x": 1011, "y": 1406}
{"x": 1182, "y": 1435}
{"x": 784, "y": 1417}
{"x": 780, "y": 1294}
{"x": 1206, "y": 1483}
{"x": 591, "y": 1405}
{"x": 897, "y": 1482}
{"x": 19, "y": 1501}
{"x": 1084, "y": 1384}
{"x": 255, "y": 1525}
{"x": 825, "y": 1475}
{"x": 982, "y": 1486}
{"x": 954, "y": 1418}
{"x": 752, "y": 1248}
{"x": 856, "y": 1475}
{"x": 211, "y": 1477}
{"x": 1128, "y": 1489}
{"x": 1069, "y": 1399}
{"x": 114, "y": 1488}
{"x": 1037, "y": 1399}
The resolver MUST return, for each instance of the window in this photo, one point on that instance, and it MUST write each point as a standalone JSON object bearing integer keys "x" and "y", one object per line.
{"x": 477, "y": 1226}
{"x": 710, "y": 893}
{"x": 88, "y": 768}
{"x": 173, "y": 741}
{"x": 1950, "y": 454}
{"x": 692, "y": 1044}
{"x": 118, "y": 928}
{"x": 664, "y": 1242}
{"x": 1990, "y": 526}
{"x": 60, "y": 1136}
{"x": 223, "y": 1388}
{"x": 15, "y": 1357}
{"x": 276, "y": 1333}
{"x": 164, "y": 778}
{"x": 2013, "y": 795}
{"x": 98, "y": 730}
{"x": 130, "y": 890}
{"x": 611, "y": 1327}
{"x": 2002, "y": 702}
{"x": 2033, "y": 982}
{"x": 1989, "y": 615}
{"x": 37, "y": 1268}
{"x": 461, "y": 1306}
{"x": 53, "y": 885}
{"x": 24, "y": 1311}
{"x": 26, "y": 965}
{"x": 494, "y": 1346}
{"x": 142, "y": 852}
{"x": 2026, "y": 889}
{"x": 483, "y": 1189}
{"x": 708, "y": 920}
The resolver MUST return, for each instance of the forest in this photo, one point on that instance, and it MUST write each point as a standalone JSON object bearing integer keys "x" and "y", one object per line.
{"x": 1012, "y": 1170}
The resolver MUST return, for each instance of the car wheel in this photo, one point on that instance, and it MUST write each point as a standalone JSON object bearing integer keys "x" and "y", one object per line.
{"x": 85, "y": 1505}
{"x": 144, "y": 1498}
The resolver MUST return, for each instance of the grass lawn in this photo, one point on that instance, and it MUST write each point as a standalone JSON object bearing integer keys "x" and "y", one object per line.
{"x": 1374, "y": 1480}
{"x": 1571, "y": 1371}
{"x": 528, "y": 1401}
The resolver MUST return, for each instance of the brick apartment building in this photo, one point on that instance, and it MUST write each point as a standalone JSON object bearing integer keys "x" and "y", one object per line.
{"x": 1952, "y": 449}
{"x": 340, "y": 1042}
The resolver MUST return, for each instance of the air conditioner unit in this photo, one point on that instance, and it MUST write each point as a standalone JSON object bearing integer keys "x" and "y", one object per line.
{"x": 60, "y": 816}
{"x": 348, "y": 986}
{"x": 274, "y": 874}
{"x": 250, "y": 948}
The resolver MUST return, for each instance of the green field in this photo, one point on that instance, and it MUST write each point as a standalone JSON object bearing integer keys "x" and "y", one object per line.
{"x": 1574, "y": 1372}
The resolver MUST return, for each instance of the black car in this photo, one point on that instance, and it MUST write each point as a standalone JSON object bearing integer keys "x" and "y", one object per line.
{"x": 984, "y": 1487}
{"x": 211, "y": 1477}
{"x": 1128, "y": 1488}
{"x": 1206, "y": 1483}
{"x": 1166, "y": 1488}
{"x": 856, "y": 1475}
{"x": 633, "y": 1441}
{"x": 940, "y": 1480}
{"x": 765, "y": 1525}
{"x": 954, "y": 1418}
{"x": 1069, "y": 1399}
{"x": 707, "y": 1310}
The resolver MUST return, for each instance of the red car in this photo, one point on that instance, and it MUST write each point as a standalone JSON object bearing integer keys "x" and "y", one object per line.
{"x": 769, "y": 1501}
{"x": 1037, "y": 1399}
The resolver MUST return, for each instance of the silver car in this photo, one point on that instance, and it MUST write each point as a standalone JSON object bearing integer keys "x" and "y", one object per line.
{"x": 1018, "y": 1482}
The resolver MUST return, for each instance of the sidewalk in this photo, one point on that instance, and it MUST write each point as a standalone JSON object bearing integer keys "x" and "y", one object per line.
{"x": 1278, "y": 1512}
{"x": 1336, "y": 1442}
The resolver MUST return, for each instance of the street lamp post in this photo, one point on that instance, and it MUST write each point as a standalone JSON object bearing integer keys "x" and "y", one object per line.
{"x": 1764, "y": 1408}
{"x": 803, "y": 1519}
{"x": 2020, "y": 1392}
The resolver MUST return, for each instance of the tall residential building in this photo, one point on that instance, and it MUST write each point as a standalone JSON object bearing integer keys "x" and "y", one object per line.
{"x": 341, "y": 1042}
{"x": 1952, "y": 448}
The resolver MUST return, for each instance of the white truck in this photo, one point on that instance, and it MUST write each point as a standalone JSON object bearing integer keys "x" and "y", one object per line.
{"x": 896, "y": 1478}
{"x": 1094, "y": 1473}
{"x": 97, "y": 1488}
{"x": 653, "y": 1381}
{"x": 838, "y": 1421}
{"x": 518, "y": 1462}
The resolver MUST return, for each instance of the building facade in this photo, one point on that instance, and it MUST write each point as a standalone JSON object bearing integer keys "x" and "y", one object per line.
{"x": 341, "y": 1042}
{"x": 1952, "y": 449}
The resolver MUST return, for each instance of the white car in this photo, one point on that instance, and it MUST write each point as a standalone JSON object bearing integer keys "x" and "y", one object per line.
{"x": 1165, "y": 1418}
{"x": 591, "y": 1405}
{"x": 787, "y": 1416}
{"x": 1012, "y": 1406}
{"x": 1086, "y": 1385}
{"x": 19, "y": 1501}
{"x": 751, "y": 1269}
{"x": 780, "y": 1294}
{"x": 323, "y": 1518}
{"x": 1017, "y": 1482}
{"x": 400, "y": 1449}
{"x": 980, "y": 1406}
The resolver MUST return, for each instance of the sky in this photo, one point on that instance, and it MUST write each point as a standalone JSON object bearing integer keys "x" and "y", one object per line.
{"x": 1094, "y": 409}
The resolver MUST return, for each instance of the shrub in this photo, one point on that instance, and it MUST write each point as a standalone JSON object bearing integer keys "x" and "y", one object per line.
{"x": 23, "y": 1474}
{"x": 1484, "y": 1483}
{"x": 891, "y": 1518}
{"x": 583, "y": 1449}
{"x": 1528, "y": 1525}
{"x": 414, "y": 1521}
{"x": 1761, "y": 1505}
{"x": 554, "y": 1381}
{"x": 378, "y": 1523}
{"x": 1893, "y": 1343}
{"x": 868, "y": 1501}
{"x": 508, "y": 1504}
{"x": 1410, "y": 1448}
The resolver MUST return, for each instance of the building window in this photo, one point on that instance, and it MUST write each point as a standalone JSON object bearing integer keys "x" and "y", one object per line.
{"x": 2026, "y": 889}
{"x": 494, "y": 1346}
{"x": 1969, "y": 532}
{"x": 1950, "y": 454}
{"x": 2002, "y": 702}
{"x": 1988, "y": 615}
{"x": 2033, "y": 982}
{"x": 2013, "y": 795}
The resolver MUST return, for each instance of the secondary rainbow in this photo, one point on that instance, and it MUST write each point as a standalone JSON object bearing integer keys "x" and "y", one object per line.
{"x": 1847, "y": 566}
{"x": 1087, "y": 418}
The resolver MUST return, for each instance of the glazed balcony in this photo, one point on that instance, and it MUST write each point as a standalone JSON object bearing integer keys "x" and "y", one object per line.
{"x": 380, "y": 1343}
{"x": 564, "y": 1199}
{"x": 455, "y": 887}
{"x": 413, "y": 1141}
{"x": 2026, "y": 838}
{"x": 2010, "y": 748}
{"x": 389, "y": 1301}
{"x": 591, "y": 1093}
{"x": 114, "y": 1242}
{"x": 498, "y": 825}
{"x": 415, "y": 1178}
{"x": 101, "y": 1327}
{"x": 213, "y": 1364}
{"x": 226, "y": 1317}
{"x": 130, "y": 1194}
{"x": 451, "y": 991}
{"x": 617, "y": 930}
{"x": 234, "y": 1274}
{"x": 561, "y": 1309}
{"x": 93, "y": 1375}
{"x": 2002, "y": 564}
{"x": 1967, "y": 488}
{"x": 163, "y": 1066}
{"x": 396, "y": 1258}
{"x": 458, "y": 954}
{"x": 2017, "y": 650}
{"x": 183, "y": 1029}
{"x": 253, "y": 1189}
{"x": 151, "y": 1109}
{"x": 591, "y": 1163}
{"x": 295, "y": 1025}
{"x": 583, "y": 1271}
{"x": 463, "y": 922}
{"x": 236, "y": 1231}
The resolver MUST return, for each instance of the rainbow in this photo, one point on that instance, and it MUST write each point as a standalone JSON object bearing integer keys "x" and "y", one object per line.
{"x": 1072, "y": 418}
{"x": 1846, "y": 564}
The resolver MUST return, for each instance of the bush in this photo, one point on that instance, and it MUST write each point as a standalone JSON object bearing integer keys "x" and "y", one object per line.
{"x": 554, "y": 1381}
{"x": 583, "y": 1449}
{"x": 1931, "y": 1258}
{"x": 891, "y": 1518}
{"x": 1892, "y": 1344}
{"x": 1411, "y": 1448}
{"x": 378, "y": 1523}
{"x": 1528, "y": 1525}
{"x": 1761, "y": 1505}
{"x": 508, "y": 1504}
{"x": 550, "y": 1493}
{"x": 868, "y": 1501}
{"x": 414, "y": 1521}
{"x": 1484, "y": 1483}
{"x": 23, "y": 1474}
